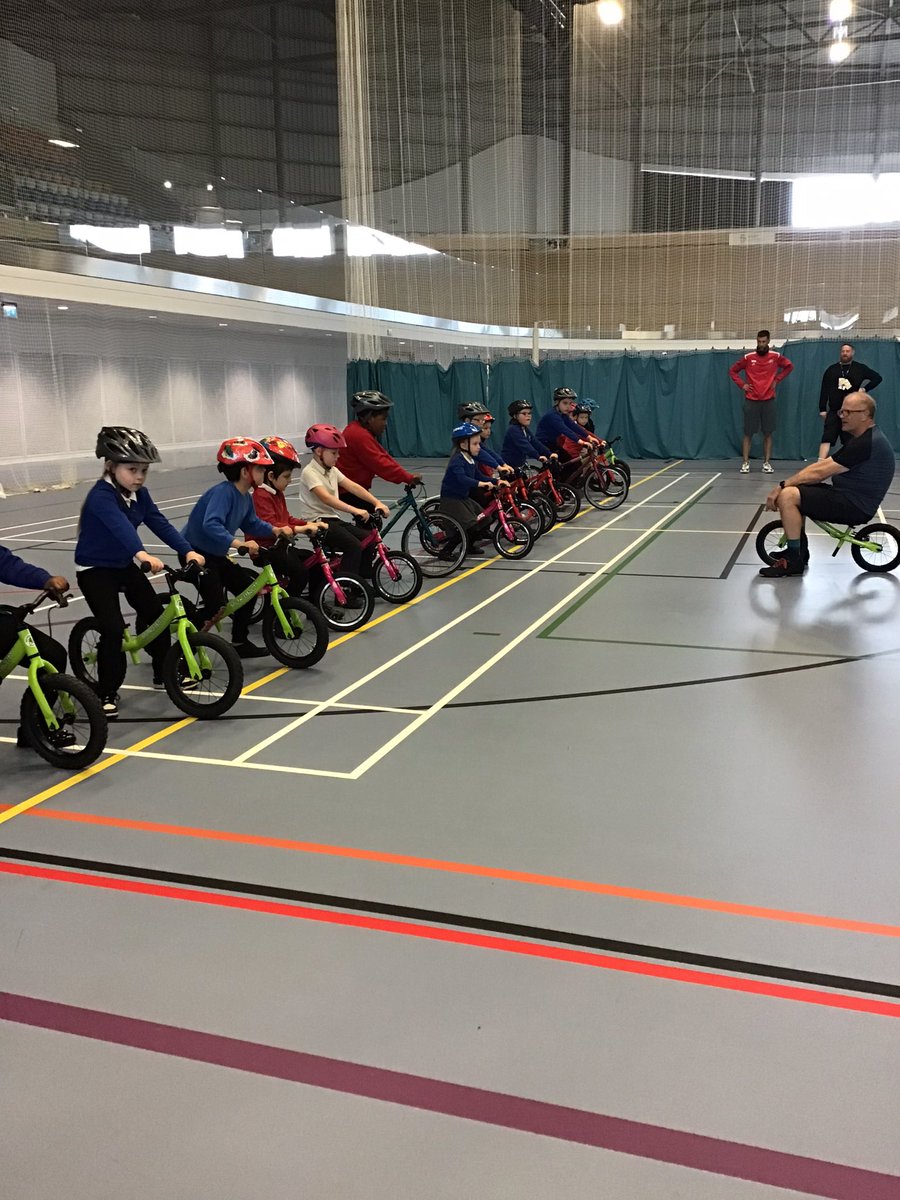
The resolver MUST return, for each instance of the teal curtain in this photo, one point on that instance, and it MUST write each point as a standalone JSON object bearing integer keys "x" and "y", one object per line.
{"x": 664, "y": 405}
{"x": 426, "y": 397}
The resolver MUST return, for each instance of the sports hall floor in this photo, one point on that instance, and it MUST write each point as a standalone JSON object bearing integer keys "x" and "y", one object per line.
{"x": 577, "y": 878}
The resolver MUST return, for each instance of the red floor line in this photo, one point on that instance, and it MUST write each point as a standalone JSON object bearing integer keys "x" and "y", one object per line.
{"x": 844, "y": 924}
{"x": 736, "y": 1160}
{"x": 734, "y": 983}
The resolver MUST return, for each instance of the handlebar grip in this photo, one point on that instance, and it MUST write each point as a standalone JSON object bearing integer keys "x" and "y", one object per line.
{"x": 145, "y": 567}
{"x": 243, "y": 551}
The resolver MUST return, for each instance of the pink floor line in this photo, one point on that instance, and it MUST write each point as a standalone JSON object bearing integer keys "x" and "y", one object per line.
{"x": 815, "y": 1177}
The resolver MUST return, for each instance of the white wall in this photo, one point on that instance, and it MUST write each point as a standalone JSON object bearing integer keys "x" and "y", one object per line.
{"x": 187, "y": 388}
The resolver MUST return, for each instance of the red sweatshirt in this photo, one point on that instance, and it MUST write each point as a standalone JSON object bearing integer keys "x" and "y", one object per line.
{"x": 365, "y": 457}
{"x": 762, "y": 372}
{"x": 271, "y": 506}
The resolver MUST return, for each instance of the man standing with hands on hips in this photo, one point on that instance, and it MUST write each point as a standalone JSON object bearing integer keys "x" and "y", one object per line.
{"x": 762, "y": 369}
{"x": 840, "y": 379}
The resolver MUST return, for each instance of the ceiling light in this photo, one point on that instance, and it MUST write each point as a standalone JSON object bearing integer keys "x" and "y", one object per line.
{"x": 62, "y": 308}
{"x": 309, "y": 242}
{"x": 152, "y": 317}
{"x": 208, "y": 241}
{"x": 223, "y": 324}
{"x": 610, "y": 12}
{"x": 210, "y": 187}
{"x": 167, "y": 183}
{"x": 114, "y": 239}
{"x": 839, "y": 11}
{"x": 839, "y": 52}
{"x": 64, "y": 143}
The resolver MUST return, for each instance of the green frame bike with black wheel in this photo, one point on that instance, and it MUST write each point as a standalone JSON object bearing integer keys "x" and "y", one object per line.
{"x": 202, "y": 673}
{"x": 61, "y": 718}
{"x": 875, "y": 547}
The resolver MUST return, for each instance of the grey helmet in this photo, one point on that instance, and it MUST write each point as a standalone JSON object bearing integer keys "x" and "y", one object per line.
{"x": 370, "y": 402}
{"x": 471, "y": 408}
{"x": 121, "y": 444}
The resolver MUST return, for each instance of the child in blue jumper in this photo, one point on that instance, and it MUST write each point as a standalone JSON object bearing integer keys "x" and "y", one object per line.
{"x": 109, "y": 551}
{"x": 211, "y": 527}
{"x": 464, "y": 487}
{"x": 520, "y": 444}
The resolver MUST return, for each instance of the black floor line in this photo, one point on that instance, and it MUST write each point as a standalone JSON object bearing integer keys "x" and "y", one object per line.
{"x": 742, "y": 543}
{"x": 532, "y": 932}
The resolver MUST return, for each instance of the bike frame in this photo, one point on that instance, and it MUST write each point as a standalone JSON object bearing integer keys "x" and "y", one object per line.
{"x": 172, "y": 614}
{"x": 545, "y": 476}
{"x": 25, "y": 647}
{"x": 843, "y": 537}
{"x": 495, "y": 509}
{"x": 319, "y": 558}
{"x": 375, "y": 537}
{"x": 266, "y": 579}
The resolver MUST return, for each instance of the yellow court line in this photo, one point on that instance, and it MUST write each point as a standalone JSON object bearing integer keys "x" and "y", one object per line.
{"x": 122, "y": 756}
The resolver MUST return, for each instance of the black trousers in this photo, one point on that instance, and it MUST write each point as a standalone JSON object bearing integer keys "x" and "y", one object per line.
{"x": 344, "y": 539}
{"x": 101, "y": 587}
{"x": 224, "y": 575}
{"x": 48, "y": 647}
{"x": 289, "y": 562}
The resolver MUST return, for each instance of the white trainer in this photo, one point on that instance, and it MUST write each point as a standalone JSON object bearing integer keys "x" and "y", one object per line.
{"x": 745, "y": 468}
{"x": 768, "y": 469}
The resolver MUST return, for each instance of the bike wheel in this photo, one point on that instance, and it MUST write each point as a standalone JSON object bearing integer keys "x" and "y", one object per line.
{"x": 308, "y": 640}
{"x": 529, "y": 513}
{"x": 222, "y": 677}
{"x": 84, "y": 640}
{"x": 353, "y": 614}
{"x": 570, "y": 503}
{"x": 887, "y": 537}
{"x": 770, "y": 540}
{"x": 257, "y": 608}
{"x": 607, "y": 492}
{"x": 438, "y": 544}
{"x": 518, "y": 545}
{"x": 81, "y": 736}
{"x": 406, "y": 586}
{"x": 547, "y": 510}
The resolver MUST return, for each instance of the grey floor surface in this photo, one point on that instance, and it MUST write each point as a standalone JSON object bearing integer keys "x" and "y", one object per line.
{"x": 581, "y": 850}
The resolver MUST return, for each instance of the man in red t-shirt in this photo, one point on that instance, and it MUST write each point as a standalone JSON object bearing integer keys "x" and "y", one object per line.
{"x": 364, "y": 456}
{"x": 762, "y": 369}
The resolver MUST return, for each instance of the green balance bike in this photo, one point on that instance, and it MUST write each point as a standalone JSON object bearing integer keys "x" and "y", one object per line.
{"x": 875, "y": 547}
{"x": 61, "y": 718}
{"x": 294, "y": 631}
{"x": 202, "y": 673}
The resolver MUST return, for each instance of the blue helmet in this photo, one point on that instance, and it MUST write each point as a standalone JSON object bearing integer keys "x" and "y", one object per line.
{"x": 590, "y": 405}
{"x": 466, "y": 430}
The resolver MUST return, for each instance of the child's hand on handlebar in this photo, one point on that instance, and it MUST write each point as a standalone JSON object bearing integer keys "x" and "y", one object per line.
{"x": 285, "y": 531}
{"x": 154, "y": 564}
{"x": 361, "y": 512}
{"x": 57, "y": 584}
{"x": 382, "y": 508}
{"x": 312, "y": 527}
{"x": 415, "y": 477}
{"x": 486, "y": 484}
{"x": 193, "y": 557}
{"x": 251, "y": 547}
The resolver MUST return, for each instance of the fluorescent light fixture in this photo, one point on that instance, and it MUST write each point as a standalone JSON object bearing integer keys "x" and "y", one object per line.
{"x": 313, "y": 241}
{"x": 167, "y": 183}
{"x": 800, "y": 316}
{"x": 9, "y": 308}
{"x": 113, "y": 239}
{"x": 610, "y": 12}
{"x": 840, "y": 51}
{"x": 208, "y": 242}
{"x": 210, "y": 187}
{"x": 62, "y": 308}
{"x": 64, "y": 143}
{"x": 840, "y": 11}
{"x": 845, "y": 201}
{"x": 363, "y": 242}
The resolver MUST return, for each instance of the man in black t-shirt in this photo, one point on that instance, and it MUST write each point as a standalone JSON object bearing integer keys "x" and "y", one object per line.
{"x": 861, "y": 473}
{"x": 840, "y": 379}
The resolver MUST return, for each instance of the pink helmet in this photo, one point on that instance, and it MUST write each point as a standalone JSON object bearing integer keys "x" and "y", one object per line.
{"x": 326, "y": 437}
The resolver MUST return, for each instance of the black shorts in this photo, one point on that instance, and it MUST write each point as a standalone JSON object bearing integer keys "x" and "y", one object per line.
{"x": 822, "y": 502}
{"x": 831, "y": 430}
{"x": 759, "y": 417}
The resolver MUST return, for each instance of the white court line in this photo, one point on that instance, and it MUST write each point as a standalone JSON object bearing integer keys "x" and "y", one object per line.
{"x": 374, "y": 674}
{"x": 39, "y": 533}
{"x": 533, "y": 628}
{"x": 54, "y": 521}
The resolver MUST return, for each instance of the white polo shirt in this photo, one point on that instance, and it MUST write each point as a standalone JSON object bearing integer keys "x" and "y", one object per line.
{"x": 313, "y": 475}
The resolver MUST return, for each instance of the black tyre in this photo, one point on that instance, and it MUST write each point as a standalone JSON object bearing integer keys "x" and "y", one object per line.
{"x": 358, "y": 608}
{"x": 82, "y": 734}
{"x": 887, "y": 537}
{"x": 438, "y": 545}
{"x": 547, "y": 510}
{"x": 257, "y": 607}
{"x": 84, "y": 640}
{"x": 406, "y": 586}
{"x": 220, "y": 684}
{"x": 308, "y": 641}
{"x": 518, "y": 545}
{"x": 770, "y": 540}
{"x": 607, "y": 490}
{"x": 570, "y": 503}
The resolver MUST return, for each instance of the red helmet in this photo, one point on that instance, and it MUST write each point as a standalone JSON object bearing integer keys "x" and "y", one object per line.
{"x": 242, "y": 450}
{"x": 327, "y": 437}
{"x": 279, "y": 447}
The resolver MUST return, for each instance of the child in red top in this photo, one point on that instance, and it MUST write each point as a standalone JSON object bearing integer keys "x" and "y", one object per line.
{"x": 271, "y": 506}
{"x": 364, "y": 457}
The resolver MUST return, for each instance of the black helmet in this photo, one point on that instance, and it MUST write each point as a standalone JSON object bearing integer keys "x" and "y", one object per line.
{"x": 564, "y": 393}
{"x": 583, "y": 407}
{"x": 518, "y": 406}
{"x": 370, "y": 402}
{"x": 121, "y": 444}
{"x": 469, "y": 409}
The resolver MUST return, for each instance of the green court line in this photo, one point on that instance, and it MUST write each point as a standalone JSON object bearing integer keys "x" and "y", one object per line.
{"x": 690, "y": 646}
{"x": 623, "y": 562}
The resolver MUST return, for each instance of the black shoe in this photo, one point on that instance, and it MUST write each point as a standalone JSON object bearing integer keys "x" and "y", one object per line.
{"x": 22, "y": 742}
{"x": 249, "y": 650}
{"x": 474, "y": 552}
{"x": 111, "y": 708}
{"x": 785, "y": 562}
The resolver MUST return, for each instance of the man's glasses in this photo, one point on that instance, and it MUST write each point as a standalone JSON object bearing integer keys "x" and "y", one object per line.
{"x": 847, "y": 412}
